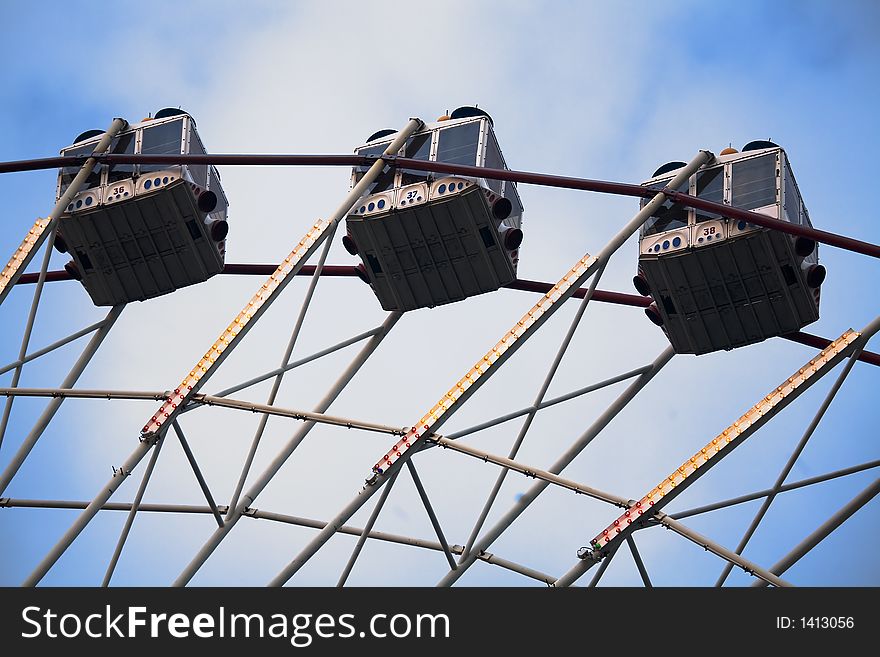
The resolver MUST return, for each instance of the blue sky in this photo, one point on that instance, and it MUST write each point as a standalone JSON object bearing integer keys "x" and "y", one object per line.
{"x": 584, "y": 89}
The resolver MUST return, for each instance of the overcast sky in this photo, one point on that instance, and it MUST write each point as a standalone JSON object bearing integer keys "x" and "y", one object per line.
{"x": 598, "y": 90}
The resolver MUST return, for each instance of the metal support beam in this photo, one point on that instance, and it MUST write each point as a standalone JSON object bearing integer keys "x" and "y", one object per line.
{"x": 206, "y": 400}
{"x": 495, "y": 560}
{"x": 348, "y": 271}
{"x": 640, "y": 565}
{"x": 272, "y": 469}
{"x": 546, "y": 404}
{"x": 715, "y": 506}
{"x": 49, "y": 412}
{"x": 297, "y": 363}
{"x": 818, "y": 342}
{"x": 602, "y": 296}
{"x": 84, "y": 393}
{"x": 822, "y": 532}
{"x": 367, "y": 529}
{"x": 431, "y": 515}
{"x": 718, "y": 550}
{"x": 296, "y": 414}
{"x": 28, "y": 328}
{"x": 52, "y": 347}
{"x": 585, "y": 439}
{"x": 218, "y": 159}
{"x": 257, "y": 514}
{"x": 759, "y": 516}
{"x": 623, "y": 189}
{"x": 129, "y": 521}
{"x": 24, "y": 503}
{"x": 488, "y": 557}
{"x": 198, "y": 473}
{"x": 285, "y": 361}
{"x": 531, "y": 471}
{"x": 522, "y": 177}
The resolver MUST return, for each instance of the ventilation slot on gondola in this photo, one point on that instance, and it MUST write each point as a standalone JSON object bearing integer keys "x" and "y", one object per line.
{"x": 193, "y": 229}
{"x": 374, "y": 264}
{"x": 486, "y": 234}
{"x": 84, "y": 259}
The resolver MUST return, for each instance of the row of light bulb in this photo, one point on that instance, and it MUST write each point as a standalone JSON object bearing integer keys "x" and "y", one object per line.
{"x": 649, "y": 503}
{"x": 190, "y": 384}
{"x": 20, "y": 256}
{"x": 518, "y": 332}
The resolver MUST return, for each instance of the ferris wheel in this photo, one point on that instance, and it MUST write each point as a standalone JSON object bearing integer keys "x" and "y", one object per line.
{"x": 728, "y": 257}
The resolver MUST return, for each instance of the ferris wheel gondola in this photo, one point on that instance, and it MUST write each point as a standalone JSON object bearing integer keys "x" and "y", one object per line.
{"x": 135, "y": 232}
{"x": 425, "y": 240}
{"x": 719, "y": 283}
